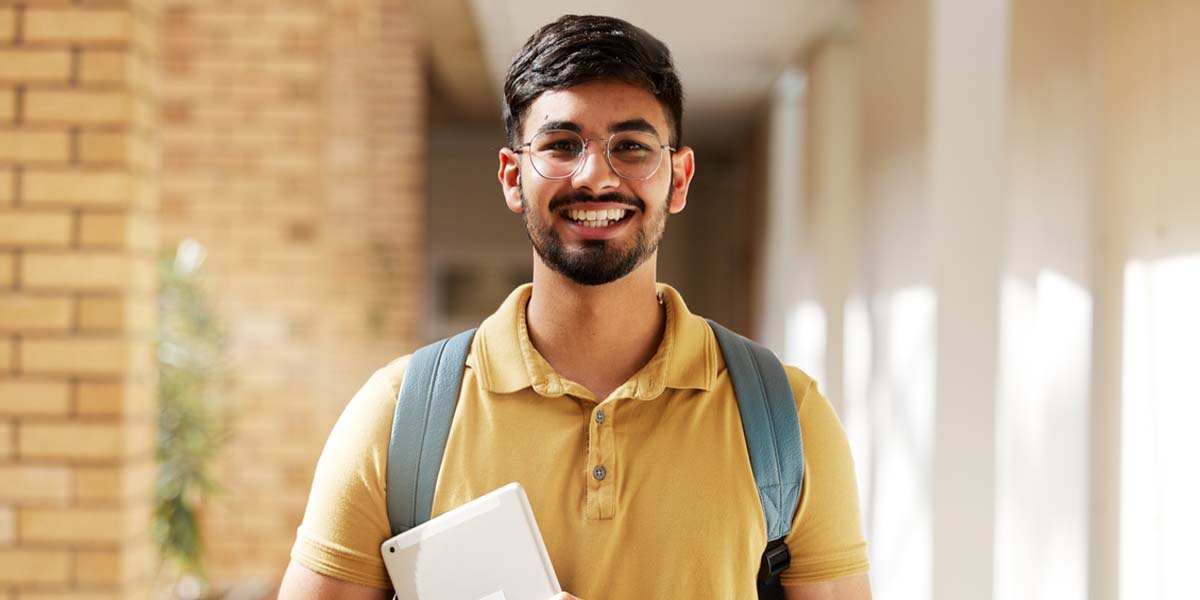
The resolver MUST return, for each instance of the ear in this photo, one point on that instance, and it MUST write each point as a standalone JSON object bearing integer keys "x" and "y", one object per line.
{"x": 683, "y": 167}
{"x": 510, "y": 178}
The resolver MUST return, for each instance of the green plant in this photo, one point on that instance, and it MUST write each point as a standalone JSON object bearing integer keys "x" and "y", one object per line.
{"x": 194, "y": 420}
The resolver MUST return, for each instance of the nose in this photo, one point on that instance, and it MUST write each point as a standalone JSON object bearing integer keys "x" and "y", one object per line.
{"x": 595, "y": 174}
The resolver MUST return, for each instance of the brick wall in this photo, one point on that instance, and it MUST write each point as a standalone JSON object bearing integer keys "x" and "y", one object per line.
{"x": 294, "y": 151}
{"x": 78, "y": 210}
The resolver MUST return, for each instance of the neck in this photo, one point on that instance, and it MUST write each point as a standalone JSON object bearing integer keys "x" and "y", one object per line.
{"x": 597, "y": 336}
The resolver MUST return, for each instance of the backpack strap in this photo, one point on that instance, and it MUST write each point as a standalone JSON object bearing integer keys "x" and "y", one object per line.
{"x": 420, "y": 427}
{"x": 772, "y": 429}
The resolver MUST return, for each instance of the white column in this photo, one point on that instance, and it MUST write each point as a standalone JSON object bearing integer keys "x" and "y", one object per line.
{"x": 967, "y": 184}
{"x": 782, "y": 213}
{"x": 832, "y": 232}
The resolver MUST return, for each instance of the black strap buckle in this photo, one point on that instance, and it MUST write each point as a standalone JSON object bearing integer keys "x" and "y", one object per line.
{"x": 775, "y": 560}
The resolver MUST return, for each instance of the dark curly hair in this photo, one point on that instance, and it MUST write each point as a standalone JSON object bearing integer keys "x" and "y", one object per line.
{"x": 577, "y": 49}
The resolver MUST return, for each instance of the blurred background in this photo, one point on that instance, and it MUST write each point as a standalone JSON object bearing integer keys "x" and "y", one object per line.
{"x": 975, "y": 223}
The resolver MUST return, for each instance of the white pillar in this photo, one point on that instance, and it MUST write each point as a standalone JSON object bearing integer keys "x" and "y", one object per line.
{"x": 967, "y": 184}
{"x": 832, "y": 232}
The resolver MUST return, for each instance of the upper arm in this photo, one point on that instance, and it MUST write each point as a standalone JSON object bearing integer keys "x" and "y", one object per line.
{"x": 345, "y": 520}
{"x": 299, "y": 583}
{"x": 855, "y": 587}
{"x": 826, "y": 541}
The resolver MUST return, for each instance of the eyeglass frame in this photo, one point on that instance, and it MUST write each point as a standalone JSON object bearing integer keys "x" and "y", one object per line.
{"x": 583, "y": 155}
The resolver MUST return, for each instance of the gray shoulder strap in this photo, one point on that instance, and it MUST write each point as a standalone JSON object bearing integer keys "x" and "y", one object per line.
{"x": 771, "y": 425}
{"x": 420, "y": 428}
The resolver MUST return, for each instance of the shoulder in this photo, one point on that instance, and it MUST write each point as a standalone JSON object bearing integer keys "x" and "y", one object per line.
{"x": 346, "y": 517}
{"x": 818, "y": 419}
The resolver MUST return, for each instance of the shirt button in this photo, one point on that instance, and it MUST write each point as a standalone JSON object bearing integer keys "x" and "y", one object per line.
{"x": 600, "y": 416}
{"x": 599, "y": 473}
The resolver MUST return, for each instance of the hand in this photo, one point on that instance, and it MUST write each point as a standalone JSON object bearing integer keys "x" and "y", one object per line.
{"x": 564, "y": 596}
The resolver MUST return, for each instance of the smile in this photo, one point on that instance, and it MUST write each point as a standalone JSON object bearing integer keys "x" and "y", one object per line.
{"x": 597, "y": 218}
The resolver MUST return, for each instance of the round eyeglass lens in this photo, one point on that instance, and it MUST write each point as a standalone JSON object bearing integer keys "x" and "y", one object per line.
{"x": 632, "y": 155}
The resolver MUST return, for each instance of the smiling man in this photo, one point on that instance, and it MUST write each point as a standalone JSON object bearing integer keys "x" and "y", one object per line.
{"x": 594, "y": 386}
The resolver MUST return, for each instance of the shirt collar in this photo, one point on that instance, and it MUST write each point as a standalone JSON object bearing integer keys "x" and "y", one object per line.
{"x": 506, "y": 361}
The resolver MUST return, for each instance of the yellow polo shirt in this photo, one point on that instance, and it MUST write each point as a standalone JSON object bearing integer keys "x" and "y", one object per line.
{"x": 676, "y": 515}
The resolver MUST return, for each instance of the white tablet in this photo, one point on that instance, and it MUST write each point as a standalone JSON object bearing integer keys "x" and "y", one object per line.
{"x": 487, "y": 549}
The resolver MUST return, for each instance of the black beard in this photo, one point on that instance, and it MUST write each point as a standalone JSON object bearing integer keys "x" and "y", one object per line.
{"x": 599, "y": 261}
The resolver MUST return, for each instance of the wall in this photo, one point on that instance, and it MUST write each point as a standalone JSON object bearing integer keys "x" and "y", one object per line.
{"x": 1009, "y": 300}
{"x": 294, "y": 145}
{"x": 78, "y": 209}
{"x": 1148, "y": 265}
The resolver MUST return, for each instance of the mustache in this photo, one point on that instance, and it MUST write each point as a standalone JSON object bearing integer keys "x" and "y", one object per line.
{"x": 578, "y": 197}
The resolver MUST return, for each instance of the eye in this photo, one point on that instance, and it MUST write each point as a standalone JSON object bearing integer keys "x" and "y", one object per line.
{"x": 630, "y": 146}
{"x": 561, "y": 146}
{"x": 558, "y": 144}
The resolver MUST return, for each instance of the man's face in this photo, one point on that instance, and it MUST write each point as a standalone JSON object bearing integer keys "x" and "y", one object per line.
{"x": 596, "y": 250}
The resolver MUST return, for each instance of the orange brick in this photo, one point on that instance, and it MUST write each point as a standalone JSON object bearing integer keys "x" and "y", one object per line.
{"x": 104, "y": 147}
{"x": 98, "y": 567}
{"x": 19, "y": 567}
{"x": 76, "y": 271}
{"x": 8, "y": 526}
{"x": 98, "y": 484}
{"x": 8, "y": 105}
{"x": 71, "y": 525}
{"x": 140, "y": 561}
{"x": 134, "y": 480}
{"x": 34, "y": 313}
{"x": 7, "y": 24}
{"x": 6, "y": 356}
{"x": 89, "y": 188}
{"x": 145, "y": 194}
{"x": 88, "y": 108}
{"x": 23, "y": 483}
{"x": 112, "y": 399}
{"x": 141, "y": 315}
{"x": 101, "y": 397}
{"x": 6, "y": 185}
{"x": 138, "y": 480}
{"x": 70, "y": 440}
{"x": 140, "y": 438}
{"x": 101, "y": 313}
{"x": 6, "y": 446}
{"x": 76, "y": 356}
{"x": 34, "y": 228}
{"x": 7, "y": 269}
{"x": 104, "y": 66}
{"x": 35, "y": 65}
{"x": 25, "y": 145}
{"x": 23, "y": 397}
{"x": 75, "y": 25}
{"x": 103, "y": 229}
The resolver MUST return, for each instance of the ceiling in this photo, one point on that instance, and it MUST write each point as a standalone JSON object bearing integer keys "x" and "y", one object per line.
{"x": 728, "y": 53}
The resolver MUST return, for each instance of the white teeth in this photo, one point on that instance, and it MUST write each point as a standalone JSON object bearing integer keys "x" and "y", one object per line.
{"x": 597, "y": 218}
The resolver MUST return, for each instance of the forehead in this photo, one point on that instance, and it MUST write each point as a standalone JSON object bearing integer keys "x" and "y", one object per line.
{"x": 596, "y": 107}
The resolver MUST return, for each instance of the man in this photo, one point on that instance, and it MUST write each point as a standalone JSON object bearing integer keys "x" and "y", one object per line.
{"x": 595, "y": 387}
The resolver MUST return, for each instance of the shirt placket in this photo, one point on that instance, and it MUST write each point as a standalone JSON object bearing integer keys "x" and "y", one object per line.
{"x": 602, "y": 467}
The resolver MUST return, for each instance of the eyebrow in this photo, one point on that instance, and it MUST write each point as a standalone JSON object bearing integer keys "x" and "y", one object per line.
{"x": 567, "y": 125}
{"x": 618, "y": 127}
{"x": 634, "y": 125}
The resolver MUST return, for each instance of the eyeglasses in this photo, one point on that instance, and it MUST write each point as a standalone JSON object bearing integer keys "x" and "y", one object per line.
{"x": 559, "y": 153}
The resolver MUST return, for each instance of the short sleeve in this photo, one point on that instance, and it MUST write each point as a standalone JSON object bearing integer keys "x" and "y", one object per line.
{"x": 345, "y": 520}
{"x": 826, "y": 541}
